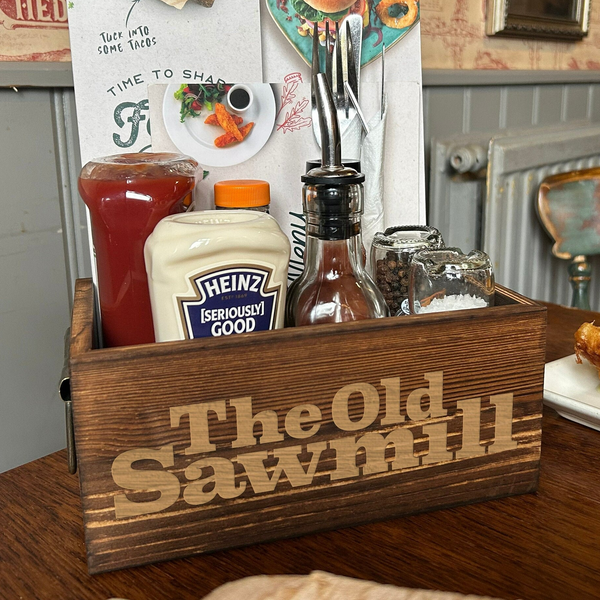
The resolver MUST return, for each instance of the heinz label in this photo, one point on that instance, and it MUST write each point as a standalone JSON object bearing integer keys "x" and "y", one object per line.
{"x": 229, "y": 301}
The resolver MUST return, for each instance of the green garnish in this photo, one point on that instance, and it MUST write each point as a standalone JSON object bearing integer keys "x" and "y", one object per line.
{"x": 195, "y": 96}
{"x": 314, "y": 15}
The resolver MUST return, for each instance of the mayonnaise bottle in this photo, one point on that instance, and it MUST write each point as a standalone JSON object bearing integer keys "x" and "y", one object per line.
{"x": 216, "y": 273}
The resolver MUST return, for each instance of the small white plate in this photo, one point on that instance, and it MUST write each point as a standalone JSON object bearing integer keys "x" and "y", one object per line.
{"x": 196, "y": 139}
{"x": 573, "y": 391}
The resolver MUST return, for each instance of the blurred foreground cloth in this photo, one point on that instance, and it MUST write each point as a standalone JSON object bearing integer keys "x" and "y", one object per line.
{"x": 323, "y": 586}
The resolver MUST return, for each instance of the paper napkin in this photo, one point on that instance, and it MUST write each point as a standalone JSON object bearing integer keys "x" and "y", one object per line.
{"x": 372, "y": 159}
{"x": 352, "y": 140}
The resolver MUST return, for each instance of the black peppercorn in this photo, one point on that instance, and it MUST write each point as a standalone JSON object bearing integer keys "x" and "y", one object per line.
{"x": 391, "y": 254}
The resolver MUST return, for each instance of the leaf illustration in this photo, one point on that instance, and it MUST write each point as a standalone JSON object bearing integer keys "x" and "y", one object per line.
{"x": 288, "y": 95}
{"x": 294, "y": 120}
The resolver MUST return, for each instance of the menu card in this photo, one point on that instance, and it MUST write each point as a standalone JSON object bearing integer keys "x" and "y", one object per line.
{"x": 119, "y": 48}
{"x": 129, "y": 59}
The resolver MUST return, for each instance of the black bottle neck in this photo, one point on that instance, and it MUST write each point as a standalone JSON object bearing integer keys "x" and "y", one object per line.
{"x": 332, "y": 227}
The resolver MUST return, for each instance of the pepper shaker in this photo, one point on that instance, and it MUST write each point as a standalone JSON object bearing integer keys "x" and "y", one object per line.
{"x": 391, "y": 255}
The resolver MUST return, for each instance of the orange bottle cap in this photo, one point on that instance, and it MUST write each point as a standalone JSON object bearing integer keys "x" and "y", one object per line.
{"x": 240, "y": 193}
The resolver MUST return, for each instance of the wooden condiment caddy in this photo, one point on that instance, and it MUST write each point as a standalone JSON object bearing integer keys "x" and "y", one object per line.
{"x": 355, "y": 423}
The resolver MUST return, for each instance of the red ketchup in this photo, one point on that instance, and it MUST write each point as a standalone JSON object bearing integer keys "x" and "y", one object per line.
{"x": 127, "y": 195}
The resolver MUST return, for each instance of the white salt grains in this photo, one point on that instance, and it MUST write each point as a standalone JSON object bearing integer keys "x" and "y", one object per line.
{"x": 453, "y": 302}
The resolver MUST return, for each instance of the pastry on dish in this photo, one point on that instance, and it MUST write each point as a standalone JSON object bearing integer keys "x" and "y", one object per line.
{"x": 587, "y": 344}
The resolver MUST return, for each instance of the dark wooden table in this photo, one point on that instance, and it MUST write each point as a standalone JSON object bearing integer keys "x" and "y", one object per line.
{"x": 539, "y": 546}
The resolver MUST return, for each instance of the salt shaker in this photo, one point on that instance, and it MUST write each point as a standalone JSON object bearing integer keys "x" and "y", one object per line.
{"x": 391, "y": 255}
{"x": 447, "y": 279}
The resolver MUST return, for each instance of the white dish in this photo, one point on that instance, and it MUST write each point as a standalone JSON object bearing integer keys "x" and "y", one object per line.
{"x": 196, "y": 139}
{"x": 573, "y": 391}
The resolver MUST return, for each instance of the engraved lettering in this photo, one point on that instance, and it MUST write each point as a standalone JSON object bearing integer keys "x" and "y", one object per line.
{"x": 504, "y": 415}
{"x": 471, "y": 442}
{"x": 198, "y": 414}
{"x": 295, "y": 419}
{"x": 354, "y": 408}
{"x": 246, "y": 421}
{"x": 222, "y": 478}
{"x": 392, "y": 401}
{"x": 287, "y": 462}
{"x": 340, "y": 408}
{"x": 374, "y": 445}
{"x": 438, "y": 449}
{"x": 143, "y": 480}
{"x": 436, "y": 396}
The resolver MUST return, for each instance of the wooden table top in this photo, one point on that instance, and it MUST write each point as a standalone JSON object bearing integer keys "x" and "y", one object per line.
{"x": 538, "y": 546}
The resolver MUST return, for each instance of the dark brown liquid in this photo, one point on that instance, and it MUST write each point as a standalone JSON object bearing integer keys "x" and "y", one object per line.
{"x": 335, "y": 295}
{"x": 239, "y": 99}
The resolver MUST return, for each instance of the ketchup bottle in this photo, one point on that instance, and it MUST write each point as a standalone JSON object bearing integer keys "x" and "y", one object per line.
{"x": 127, "y": 195}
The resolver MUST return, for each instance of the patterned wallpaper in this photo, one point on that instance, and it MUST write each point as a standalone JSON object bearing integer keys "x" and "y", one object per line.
{"x": 453, "y": 37}
{"x": 34, "y": 31}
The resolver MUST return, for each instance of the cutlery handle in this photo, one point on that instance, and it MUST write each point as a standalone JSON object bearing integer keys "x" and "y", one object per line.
{"x": 355, "y": 24}
{"x": 359, "y": 111}
{"x": 382, "y": 79}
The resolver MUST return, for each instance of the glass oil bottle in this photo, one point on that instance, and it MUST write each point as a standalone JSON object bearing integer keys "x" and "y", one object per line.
{"x": 334, "y": 286}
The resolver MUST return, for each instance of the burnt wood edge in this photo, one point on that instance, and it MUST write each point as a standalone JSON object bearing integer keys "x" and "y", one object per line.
{"x": 515, "y": 297}
{"x": 83, "y": 324}
{"x": 82, "y": 319}
{"x": 80, "y": 341}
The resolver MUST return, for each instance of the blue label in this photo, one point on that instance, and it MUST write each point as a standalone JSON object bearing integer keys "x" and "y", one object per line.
{"x": 230, "y": 301}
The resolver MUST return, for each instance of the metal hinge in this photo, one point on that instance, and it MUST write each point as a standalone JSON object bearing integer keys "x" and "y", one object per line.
{"x": 64, "y": 390}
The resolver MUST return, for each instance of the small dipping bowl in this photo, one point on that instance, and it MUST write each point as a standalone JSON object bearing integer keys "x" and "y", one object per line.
{"x": 240, "y": 97}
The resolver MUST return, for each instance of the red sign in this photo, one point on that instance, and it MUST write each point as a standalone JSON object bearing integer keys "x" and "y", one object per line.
{"x": 48, "y": 14}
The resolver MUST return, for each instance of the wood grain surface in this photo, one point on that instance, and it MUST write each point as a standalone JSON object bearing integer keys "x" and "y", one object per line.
{"x": 365, "y": 381}
{"x": 542, "y": 546}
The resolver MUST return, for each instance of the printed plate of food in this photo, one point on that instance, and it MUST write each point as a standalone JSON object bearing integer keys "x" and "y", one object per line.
{"x": 384, "y": 21}
{"x": 219, "y": 124}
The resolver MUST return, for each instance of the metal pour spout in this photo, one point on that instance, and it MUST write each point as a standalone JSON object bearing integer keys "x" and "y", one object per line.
{"x": 331, "y": 142}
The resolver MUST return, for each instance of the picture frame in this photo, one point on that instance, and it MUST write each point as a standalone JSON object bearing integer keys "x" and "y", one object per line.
{"x": 553, "y": 19}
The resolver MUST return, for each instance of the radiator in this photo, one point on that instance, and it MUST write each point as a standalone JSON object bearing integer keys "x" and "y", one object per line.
{"x": 482, "y": 194}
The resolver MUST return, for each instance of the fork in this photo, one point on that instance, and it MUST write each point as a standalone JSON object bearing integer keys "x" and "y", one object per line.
{"x": 315, "y": 70}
